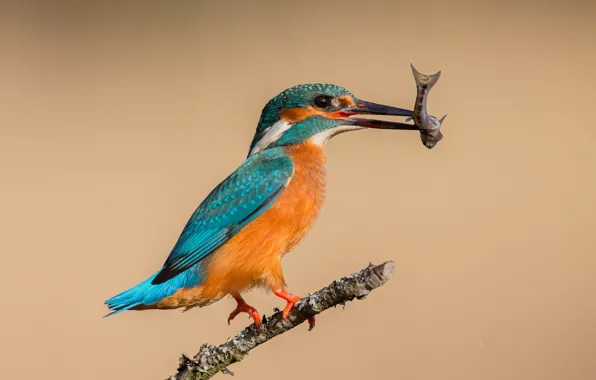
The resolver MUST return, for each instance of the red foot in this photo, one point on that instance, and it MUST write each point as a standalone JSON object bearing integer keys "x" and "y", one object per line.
{"x": 243, "y": 307}
{"x": 292, "y": 299}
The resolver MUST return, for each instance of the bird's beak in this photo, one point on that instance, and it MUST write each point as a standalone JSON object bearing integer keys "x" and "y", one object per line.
{"x": 369, "y": 108}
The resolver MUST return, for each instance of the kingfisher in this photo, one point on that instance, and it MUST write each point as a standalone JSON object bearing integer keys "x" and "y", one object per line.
{"x": 236, "y": 238}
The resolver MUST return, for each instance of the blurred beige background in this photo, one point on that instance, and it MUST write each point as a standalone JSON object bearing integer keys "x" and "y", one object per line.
{"x": 116, "y": 120}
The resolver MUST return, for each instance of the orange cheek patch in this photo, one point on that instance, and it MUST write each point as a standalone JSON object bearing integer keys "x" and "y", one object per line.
{"x": 298, "y": 114}
{"x": 346, "y": 101}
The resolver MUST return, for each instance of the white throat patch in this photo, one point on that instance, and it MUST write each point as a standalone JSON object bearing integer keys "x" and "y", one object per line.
{"x": 322, "y": 137}
{"x": 271, "y": 135}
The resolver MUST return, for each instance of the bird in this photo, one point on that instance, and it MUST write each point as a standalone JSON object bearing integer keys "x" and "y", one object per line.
{"x": 236, "y": 238}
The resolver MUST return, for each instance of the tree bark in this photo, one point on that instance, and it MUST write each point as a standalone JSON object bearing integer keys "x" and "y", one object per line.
{"x": 211, "y": 360}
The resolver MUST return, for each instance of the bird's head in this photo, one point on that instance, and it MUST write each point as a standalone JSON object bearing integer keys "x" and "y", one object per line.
{"x": 317, "y": 112}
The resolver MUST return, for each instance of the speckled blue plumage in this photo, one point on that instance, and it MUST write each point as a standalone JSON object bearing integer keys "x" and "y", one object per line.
{"x": 244, "y": 195}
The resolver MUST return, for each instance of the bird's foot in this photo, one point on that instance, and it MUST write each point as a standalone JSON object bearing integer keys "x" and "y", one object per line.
{"x": 292, "y": 299}
{"x": 243, "y": 307}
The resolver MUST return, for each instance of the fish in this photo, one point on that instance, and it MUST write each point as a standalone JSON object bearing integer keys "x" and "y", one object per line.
{"x": 430, "y": 126}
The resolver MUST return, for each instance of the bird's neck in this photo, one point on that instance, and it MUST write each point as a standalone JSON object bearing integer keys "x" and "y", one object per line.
{"x": 307, "y": 157}
{"x": 310, "y": 174}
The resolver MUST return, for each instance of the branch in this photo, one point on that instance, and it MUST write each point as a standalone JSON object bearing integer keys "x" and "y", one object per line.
{"x": 210, "y": 359}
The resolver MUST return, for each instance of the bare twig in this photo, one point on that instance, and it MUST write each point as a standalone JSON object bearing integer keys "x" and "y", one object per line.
{"x": 211, "y": 360}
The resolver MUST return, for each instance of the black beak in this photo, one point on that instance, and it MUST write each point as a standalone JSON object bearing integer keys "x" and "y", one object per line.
{"x": 369, "y": 108}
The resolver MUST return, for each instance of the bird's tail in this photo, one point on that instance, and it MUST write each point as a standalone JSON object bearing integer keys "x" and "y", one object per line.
{"x": 146, "y": 293}
{"x": 131, "y": 298}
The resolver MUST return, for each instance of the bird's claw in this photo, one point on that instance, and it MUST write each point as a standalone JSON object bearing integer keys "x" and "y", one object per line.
{"x": 243, "y": 307}
{"x": 286, "y": 313}
{"x": 292, "y": 299}
{"x": 311, "y": 323}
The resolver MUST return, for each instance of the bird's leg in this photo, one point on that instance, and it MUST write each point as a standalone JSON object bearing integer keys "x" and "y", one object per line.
{"x": 291, "y": 299}
{"x": 243, "y": 307}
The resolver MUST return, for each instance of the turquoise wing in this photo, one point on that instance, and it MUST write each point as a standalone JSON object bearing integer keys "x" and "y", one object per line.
{"x": 234, "y": 203}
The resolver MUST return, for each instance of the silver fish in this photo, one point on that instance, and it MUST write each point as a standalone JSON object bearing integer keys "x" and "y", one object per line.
{"x": 430, "y": 126}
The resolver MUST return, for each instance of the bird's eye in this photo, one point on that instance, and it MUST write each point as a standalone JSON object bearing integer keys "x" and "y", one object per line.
{"x": 323, "y": 101}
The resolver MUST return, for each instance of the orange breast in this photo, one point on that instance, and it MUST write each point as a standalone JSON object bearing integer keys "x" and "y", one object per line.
{"x": 253, "y": 257}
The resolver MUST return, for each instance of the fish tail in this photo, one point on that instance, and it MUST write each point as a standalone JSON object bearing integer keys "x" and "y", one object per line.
{"x": 425, "y": 81}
